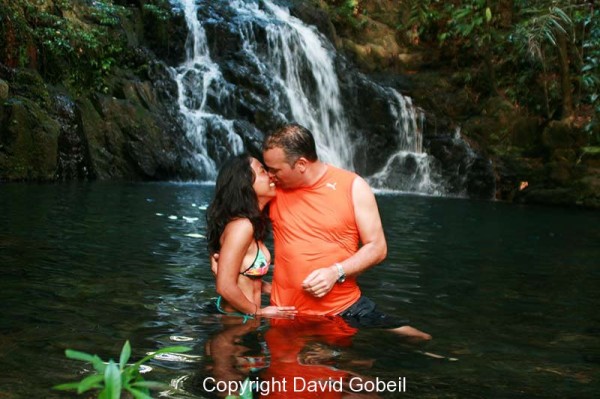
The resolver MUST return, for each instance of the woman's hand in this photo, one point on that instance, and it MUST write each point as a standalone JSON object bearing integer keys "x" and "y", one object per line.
{"x": 278, "y": 311}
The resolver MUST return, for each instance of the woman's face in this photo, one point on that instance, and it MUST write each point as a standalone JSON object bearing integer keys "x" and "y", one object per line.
{"x": 263, "y": 187}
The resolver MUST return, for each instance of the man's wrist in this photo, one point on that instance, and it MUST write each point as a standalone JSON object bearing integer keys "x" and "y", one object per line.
{"x": 340, "y": 272}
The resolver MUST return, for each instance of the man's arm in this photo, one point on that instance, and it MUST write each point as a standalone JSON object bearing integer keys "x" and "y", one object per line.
{"x": 374, "y": 246}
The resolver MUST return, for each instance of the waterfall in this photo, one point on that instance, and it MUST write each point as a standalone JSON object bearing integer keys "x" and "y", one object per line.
{"x": 317, "y": 106}
{"x": 310, "y": 94}
{"x": 409, "y": 169}
{"x": 197, "y": 78}
{"x": 275, "y": 69}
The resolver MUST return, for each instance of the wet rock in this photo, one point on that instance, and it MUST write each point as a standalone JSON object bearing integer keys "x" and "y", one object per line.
{"x": 28, "y": 142}
{"x": 464, "y": 171}
{"x": 367, "y": 107}
{"x": 316, "y": 17}
{"x": 525, "y": 132}
{"x": 133, "y": 138}
{"x": 481, "y": 182}
{"x": 3, "y": 90}
{"x": 73, "y": 155}
{"x": 563, "y": 134}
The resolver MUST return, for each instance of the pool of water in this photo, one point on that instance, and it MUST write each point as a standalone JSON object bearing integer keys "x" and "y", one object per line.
{"x": 510, "y": 291}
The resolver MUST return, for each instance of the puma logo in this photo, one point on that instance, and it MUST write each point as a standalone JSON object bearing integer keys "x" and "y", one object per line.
{"x": 331, "y": 185}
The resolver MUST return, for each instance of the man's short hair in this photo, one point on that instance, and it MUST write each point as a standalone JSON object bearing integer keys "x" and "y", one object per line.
{"x": 295, "y": 140}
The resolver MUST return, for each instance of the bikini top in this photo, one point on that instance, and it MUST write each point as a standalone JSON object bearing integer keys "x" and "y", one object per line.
{"x": 259, "y": 267}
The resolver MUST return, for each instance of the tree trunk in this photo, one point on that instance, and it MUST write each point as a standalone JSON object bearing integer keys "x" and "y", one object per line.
{"x": 565, "y": 76}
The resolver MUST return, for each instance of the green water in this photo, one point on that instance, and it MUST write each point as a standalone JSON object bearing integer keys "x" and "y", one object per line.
{"x": 511, "y": 291}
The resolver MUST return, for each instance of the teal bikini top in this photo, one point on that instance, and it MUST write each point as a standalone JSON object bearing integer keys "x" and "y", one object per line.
{"x": 259, "y": 267}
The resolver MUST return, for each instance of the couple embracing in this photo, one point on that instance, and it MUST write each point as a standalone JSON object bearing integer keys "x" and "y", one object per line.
{"x": 326, "y": 229}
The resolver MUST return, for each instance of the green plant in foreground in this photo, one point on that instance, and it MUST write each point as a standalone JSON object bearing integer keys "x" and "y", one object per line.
{"x": 112, "y": 378}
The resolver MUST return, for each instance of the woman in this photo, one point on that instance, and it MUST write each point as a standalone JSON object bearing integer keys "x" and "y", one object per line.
{"x": 237, "y": 228}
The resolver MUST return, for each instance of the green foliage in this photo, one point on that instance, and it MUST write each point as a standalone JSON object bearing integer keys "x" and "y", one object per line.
{"x": 590, "y": 69}
{"x": 347, "y": 13}
{"x": 536, "y": 38}
{"x": 524, "y": 44}
{"x": 538, "y": 27}
{"x": 463, "y": 21}
{"x": 111, "y": 378}
{"x": 467, "y": 21}
{"x": 106, "y": 13}
{"x": 77, "y": 43}
{"x": 159, "y": 12}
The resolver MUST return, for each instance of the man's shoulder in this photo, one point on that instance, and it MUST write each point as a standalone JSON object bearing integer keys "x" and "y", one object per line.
{"x": 337, "y": 171}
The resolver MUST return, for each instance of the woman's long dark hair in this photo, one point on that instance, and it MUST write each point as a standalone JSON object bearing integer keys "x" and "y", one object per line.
{"x": 235, "y": 198}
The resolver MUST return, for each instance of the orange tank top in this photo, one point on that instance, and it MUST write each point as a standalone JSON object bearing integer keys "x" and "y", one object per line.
{"x": 314, "y": 227}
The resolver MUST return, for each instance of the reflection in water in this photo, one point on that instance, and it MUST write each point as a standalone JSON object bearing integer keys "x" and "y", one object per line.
{"x": 233, "y": 358}
{"x": 304, "y": 357}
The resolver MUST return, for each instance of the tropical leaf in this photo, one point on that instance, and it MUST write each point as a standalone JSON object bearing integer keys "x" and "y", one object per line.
{"x": 125, "y": 355}
{"x": 112, "y": 381}
{"x": 86, "y": 357}
{"x": 137, "y": 394}
{"x": 92, "y": 381}
{"x": 69, "y": 386}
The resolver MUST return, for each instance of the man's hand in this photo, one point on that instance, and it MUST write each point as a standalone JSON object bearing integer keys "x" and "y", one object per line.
{"x": 320, "y": 281}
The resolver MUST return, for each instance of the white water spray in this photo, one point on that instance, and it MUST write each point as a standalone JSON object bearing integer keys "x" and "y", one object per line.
{"x": 197, "y": 79}
{"x": 409, "y": 169}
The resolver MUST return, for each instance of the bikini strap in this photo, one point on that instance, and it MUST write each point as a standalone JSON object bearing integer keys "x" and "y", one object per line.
{"x": 256, "y": 257}
{"x": 237, "y": 314}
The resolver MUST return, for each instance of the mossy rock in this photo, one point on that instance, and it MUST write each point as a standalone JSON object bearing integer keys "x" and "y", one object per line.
{"x": 590, "y": 158}
{"x": 29, "y": 142}
{"x": 563, "y": 134}
{"x": 29, "y": 83}
{"x": 588, "y": 189}
{"x": 4, "y": 90}
{"x": 560, "y": 173}
{"x": 525, "y": 132}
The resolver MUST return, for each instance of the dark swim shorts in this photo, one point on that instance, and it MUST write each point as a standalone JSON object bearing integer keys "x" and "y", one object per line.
{"x": 363, "y": 313}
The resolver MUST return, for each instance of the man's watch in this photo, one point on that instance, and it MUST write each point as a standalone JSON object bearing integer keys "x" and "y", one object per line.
{"x": 341, "y": 273}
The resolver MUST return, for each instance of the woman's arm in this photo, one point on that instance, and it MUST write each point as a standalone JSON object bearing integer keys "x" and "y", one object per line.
{"x": 235, "y": 240}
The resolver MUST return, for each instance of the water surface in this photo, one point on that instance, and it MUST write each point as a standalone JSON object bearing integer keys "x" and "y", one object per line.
{"x": 511, "y": 291}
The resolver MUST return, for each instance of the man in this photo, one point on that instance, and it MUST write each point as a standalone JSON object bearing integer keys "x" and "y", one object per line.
{"x": 320, "y": 215}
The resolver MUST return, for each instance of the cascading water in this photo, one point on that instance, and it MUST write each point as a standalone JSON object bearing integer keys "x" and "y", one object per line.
{"x": 197, "y": 78}
{"x": 274, "y": 64}
{"x": 409, "y": 169}
{"x": 292, "y": 46}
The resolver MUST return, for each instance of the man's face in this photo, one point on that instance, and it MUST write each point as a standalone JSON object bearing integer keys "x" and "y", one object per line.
{"x": 283, "y": 174}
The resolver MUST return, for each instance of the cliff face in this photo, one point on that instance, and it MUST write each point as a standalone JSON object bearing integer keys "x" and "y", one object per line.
{"x": 92, "y": 99}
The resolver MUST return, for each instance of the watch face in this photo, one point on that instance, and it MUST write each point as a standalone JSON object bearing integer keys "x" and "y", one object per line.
{"x": 341, "y": 273}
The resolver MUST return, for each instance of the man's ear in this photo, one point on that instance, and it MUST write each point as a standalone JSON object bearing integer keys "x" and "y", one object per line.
{"x": 301, "y": 164}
